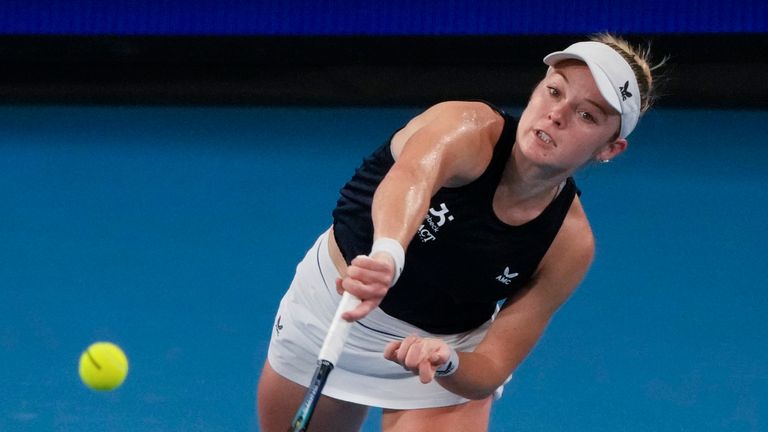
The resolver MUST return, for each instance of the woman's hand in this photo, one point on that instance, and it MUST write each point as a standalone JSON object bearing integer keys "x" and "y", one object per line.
{"x": 422, "y": 356}
{"x": 369, "y": 279}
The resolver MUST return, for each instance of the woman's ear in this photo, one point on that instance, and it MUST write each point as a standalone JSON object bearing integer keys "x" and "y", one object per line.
{"x": 611, "y": 150}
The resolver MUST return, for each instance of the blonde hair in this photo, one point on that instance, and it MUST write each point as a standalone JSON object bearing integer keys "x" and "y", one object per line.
{"x": 639, "y": 59}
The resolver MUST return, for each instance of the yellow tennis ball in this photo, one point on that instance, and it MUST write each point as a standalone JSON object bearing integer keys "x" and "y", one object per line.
{"x": 103, "y": 366}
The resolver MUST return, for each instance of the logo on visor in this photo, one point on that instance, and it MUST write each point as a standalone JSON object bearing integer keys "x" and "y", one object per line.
{"x": 624, "y": 92}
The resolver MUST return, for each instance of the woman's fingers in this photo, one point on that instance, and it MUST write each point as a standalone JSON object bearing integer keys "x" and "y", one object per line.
{"x": 339, "y": 288}
{"x": 364, "y": 290}
{"x": 364, "y": 308}
{"x": 367, "y": 279}
{"x": 426, "y": 371}
{"x": 390, "y": 351}
{"x": 422, "y": 356}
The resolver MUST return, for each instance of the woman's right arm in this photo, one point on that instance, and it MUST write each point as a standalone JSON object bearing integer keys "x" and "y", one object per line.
{"x": 450, "y": 144}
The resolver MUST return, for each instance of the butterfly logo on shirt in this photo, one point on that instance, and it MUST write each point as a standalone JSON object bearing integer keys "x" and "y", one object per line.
{"x": 507, "y": 276}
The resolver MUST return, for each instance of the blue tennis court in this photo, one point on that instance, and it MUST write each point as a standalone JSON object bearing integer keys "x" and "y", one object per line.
{"x": 173, "y": 231}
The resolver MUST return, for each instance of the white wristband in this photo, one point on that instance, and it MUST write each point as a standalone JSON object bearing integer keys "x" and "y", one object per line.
{"x": 450, "y": 367}
{"x": 395, "y": 250}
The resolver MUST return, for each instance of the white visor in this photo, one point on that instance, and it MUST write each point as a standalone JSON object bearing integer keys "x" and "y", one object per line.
{"x": 613, "y": 76}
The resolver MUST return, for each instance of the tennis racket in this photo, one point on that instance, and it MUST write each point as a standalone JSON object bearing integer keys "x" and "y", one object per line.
{"x": 329, "y": 355}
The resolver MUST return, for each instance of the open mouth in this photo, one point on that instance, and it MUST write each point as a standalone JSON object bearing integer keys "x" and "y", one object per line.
{"x": 540, "y": 134}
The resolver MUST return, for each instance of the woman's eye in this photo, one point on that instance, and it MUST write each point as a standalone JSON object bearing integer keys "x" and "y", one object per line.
{"x": 553, "y": 91}
{"x": 587, "y": 116}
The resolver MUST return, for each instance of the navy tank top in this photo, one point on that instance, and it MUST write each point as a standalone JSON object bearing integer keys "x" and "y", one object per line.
{"x": 463, "y": 260}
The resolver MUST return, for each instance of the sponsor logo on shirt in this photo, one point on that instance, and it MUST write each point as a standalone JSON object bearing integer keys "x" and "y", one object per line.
{"x": 506, "y": 277}
{"x": 433, "y": 222}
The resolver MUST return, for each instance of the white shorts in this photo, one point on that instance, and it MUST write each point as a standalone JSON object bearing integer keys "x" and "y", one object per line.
{"x": 362, "y": 375}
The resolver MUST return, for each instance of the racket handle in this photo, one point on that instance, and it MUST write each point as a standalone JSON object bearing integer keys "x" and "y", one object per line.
{"x": 337, "y": 333}
{"x": 300, "y": 421}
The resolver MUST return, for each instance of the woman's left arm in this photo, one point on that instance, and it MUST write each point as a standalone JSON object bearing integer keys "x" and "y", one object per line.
{"x": 517, "y": 327}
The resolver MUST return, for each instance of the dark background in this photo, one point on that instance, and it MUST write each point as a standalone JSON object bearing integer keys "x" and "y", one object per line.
{"x": 702, "y": 69}
{"x": 361, "y": 53}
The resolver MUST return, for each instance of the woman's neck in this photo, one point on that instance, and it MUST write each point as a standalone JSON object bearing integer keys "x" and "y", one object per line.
{"x": 525, "y": 182}
{"x": 524, "y": 191}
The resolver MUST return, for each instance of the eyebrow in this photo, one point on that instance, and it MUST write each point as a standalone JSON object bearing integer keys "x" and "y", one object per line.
{"x": 597, "y": 105}
{"x": 602, "y": 110}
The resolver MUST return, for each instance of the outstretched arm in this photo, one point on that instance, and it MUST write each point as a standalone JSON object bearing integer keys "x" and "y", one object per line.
{"x": 448, "y": 145}
{"x": 517, "y": 327}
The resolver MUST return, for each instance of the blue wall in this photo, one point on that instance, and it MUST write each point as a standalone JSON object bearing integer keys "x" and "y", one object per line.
{"x": 395, "y": 17}
{"x": 175, "y": 231}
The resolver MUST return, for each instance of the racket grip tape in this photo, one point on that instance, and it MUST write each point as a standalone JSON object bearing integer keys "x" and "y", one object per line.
{"x": 338, "y": 331}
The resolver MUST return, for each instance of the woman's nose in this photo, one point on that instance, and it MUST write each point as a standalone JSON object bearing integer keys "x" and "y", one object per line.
{"x": 556, "y": 115}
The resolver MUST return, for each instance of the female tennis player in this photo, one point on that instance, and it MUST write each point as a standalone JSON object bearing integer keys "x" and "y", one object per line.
{"x": 462, "y": 235}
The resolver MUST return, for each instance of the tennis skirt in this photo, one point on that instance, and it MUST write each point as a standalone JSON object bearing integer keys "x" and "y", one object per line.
{"x": 362, "y": 375}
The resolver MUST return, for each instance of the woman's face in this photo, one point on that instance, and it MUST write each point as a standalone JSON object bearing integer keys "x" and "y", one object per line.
{"x": 567, "y": 122}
